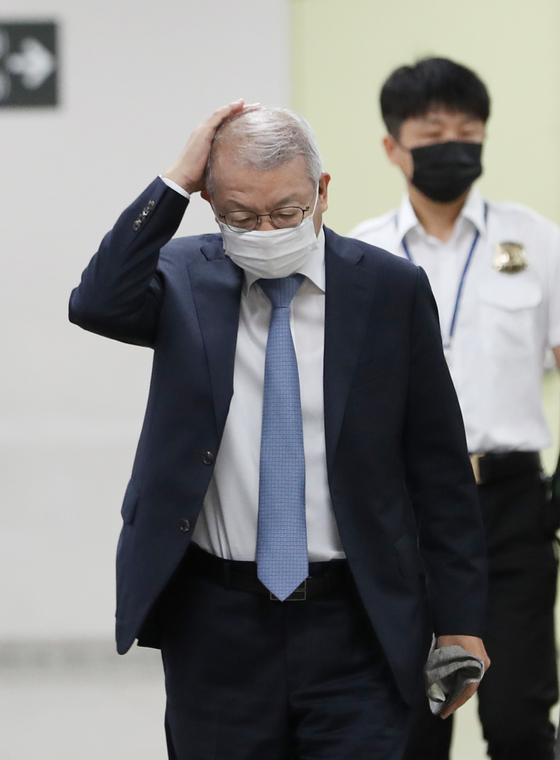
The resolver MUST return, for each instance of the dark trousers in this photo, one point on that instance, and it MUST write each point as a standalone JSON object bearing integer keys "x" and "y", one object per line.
{"x": 520, "y": 687}
{"x": 248, "y": 678}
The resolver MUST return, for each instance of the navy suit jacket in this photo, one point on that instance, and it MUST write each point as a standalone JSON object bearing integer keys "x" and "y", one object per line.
{"x": 399, "y": 474}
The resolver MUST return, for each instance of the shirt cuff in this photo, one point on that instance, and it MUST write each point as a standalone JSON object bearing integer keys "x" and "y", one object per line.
{"x": 175, "y": 186}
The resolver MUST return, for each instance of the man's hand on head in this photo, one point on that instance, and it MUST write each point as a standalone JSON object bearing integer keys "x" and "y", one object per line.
{"x": 473, "y": 645}
{"x": 188, "y": 170}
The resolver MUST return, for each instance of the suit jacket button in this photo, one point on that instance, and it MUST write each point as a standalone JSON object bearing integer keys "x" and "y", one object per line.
{"x": 137, "y": 224}
{"x": 208, "y": 458}
{"x": 185, "y": 525}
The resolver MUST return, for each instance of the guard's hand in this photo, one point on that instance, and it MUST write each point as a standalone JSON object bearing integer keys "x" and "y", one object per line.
{"x": 473, "y": 645}
{"x": 188, "y": 170}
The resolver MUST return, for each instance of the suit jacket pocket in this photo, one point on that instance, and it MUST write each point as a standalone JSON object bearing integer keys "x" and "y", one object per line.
{"x": 130, "y": 503}
{"x": 407, "y": 556}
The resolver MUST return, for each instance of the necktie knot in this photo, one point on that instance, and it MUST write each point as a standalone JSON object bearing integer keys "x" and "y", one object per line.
{"x": 281, "y": 290}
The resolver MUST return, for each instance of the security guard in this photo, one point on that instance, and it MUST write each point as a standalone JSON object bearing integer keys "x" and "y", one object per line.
{"x": 495, "y": 272}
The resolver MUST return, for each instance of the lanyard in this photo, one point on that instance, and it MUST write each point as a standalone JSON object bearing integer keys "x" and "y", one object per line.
{"x": 447, "y": 344}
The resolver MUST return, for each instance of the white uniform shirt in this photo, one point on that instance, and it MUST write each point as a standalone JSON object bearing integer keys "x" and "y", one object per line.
{"x": 505, "y": 322}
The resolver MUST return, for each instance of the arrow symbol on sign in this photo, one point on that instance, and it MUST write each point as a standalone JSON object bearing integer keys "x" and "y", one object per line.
{"x": 35, "y": 63}
{"x": 4, "y": 44}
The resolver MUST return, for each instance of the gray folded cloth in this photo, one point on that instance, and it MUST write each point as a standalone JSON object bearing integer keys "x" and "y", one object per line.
{"x": 448, "y": 671}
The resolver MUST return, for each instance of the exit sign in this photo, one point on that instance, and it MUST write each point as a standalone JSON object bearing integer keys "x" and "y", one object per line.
{"x": 28, "y": 64}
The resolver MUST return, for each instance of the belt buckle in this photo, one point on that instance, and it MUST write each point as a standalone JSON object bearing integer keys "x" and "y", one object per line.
{"x": 298, "y": 595}
{"x": 475, "y": 462}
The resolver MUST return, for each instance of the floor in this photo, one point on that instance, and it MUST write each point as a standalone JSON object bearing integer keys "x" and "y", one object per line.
{"x": 103, "y": 708}
{"x": 80, "y": 701}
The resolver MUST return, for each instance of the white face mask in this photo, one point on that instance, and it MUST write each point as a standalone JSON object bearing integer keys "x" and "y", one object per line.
{"x": 272, "y": 253}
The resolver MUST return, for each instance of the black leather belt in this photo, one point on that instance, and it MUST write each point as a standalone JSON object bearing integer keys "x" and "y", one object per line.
{"x": 325, "y": 579}
{"x": 495, "y": 466}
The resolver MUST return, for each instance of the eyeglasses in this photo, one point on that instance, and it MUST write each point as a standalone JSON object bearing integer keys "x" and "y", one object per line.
{"x": 281, "y": 218}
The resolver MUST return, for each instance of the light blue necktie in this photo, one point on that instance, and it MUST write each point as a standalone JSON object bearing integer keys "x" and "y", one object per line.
{"x": 282, "y": 561}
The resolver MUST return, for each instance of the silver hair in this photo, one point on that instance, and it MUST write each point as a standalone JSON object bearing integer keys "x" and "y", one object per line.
{"x": 265, "y": 138}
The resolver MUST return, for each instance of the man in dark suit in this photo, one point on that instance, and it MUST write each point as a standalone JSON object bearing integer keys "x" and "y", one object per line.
{"x": 303, "y": 431}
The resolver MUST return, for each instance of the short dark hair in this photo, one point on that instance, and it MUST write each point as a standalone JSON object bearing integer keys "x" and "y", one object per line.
{"x": 412, "y": 91}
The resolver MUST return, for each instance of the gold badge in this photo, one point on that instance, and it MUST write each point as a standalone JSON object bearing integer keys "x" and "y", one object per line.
{"x": 509, "y": 258}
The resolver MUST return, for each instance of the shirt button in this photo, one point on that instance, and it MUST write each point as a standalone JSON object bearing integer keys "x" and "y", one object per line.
{"x": 208, "y": 458}
{"x": 185, "y": 525}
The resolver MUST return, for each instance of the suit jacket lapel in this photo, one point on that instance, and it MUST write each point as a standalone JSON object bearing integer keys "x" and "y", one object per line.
{"x": 349, "y": 296}
{"x": 216, "y": 285}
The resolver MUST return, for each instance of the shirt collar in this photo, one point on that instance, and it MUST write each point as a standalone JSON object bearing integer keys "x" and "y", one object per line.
{"x": 313, "y": 267}
{"x": 474, "y": 209}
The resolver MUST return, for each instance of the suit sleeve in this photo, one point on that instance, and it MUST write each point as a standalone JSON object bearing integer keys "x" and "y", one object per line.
{"x": 121, "y": 291}
{"x": 440, "y": 481}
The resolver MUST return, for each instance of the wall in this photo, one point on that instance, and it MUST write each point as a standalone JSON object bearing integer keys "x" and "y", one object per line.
{"x": 344, "y": 52}
{"x": 136, "y": 78}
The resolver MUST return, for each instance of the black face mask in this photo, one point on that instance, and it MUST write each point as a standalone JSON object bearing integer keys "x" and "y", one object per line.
{"x": 444, "y": 171}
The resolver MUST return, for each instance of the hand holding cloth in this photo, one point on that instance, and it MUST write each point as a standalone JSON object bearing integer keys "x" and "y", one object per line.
{"x": 447, "y": 673}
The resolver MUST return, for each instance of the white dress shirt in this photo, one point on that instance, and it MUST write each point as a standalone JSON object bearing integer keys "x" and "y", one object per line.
{"x": 505, "y": 322}
{"x": 227, "y": 526}
{"x": 175, "y": 186}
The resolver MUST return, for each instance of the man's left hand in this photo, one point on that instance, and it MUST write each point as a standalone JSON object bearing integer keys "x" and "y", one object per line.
{"x": 473, "y": 645}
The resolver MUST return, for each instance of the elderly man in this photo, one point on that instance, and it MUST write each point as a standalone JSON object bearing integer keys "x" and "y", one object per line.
{"x": 302, "y": 465}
